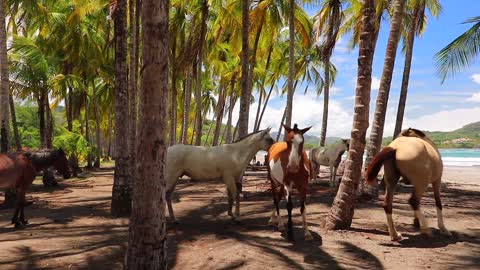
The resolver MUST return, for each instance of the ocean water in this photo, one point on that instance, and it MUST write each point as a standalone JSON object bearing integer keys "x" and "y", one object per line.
{"x": 450, "y": 157}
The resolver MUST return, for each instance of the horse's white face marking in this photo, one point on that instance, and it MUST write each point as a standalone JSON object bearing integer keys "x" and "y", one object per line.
{"x": 276, "y": 171}
{"x": 295, "y": 156}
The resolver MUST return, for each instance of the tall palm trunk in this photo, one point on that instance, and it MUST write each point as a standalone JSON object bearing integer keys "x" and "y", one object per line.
{"x": 4, "y": 77}
{"x": 281, "y": 124}
{"x": 326, "y": 99}
{"x": 132, "y": 89}
{"x": 406, "y": 69}
{"x": 231, "y": 105}
{"x": 341, "y": 213}
{"x": 147, "y": 244}
{"x": 291, "y": 65}
{"x": 246, "y": 95}
{"x": 69, "y": 109}
{"x": 198, "y": 104}
{"x": 121, "y": 191}
{"x": 18, "y": 142}
{"x": 87, "y": 130}
{"x": 49, "y": 124}
{"x": 98, "y": 152}
{"x": 219, "y": 116}
{"x": 264, "y": 107}
{"x": 173, "y": 94}
{"x": 186, "y": 106}
{"x": 41, "y": 115}
{"x": 257, "y": 117}
{"x": 376, "y": 134}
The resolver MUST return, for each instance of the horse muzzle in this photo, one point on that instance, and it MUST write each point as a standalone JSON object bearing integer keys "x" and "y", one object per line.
{"x": 292, "y": 168}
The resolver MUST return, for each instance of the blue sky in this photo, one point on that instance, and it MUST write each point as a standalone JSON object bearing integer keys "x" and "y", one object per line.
{"x": 430, "y": 104}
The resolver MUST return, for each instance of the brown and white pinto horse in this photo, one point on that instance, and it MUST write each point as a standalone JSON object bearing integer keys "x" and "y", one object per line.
{"x": 415, "y": 157}
{"x": 288, "y": 168}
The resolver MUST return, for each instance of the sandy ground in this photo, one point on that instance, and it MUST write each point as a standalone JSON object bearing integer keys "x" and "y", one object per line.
{"x": 70, "y": 228}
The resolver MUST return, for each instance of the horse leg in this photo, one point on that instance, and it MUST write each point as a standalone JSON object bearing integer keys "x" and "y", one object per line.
{"x": 414, "y": 201}
{"x": 438, "y": 202}
{"x": 280, "y": 224}
{"x": 289, "y": 210}
{"x": 22, "y": 209}
{"x": 273, "y": 217}
{"x": 391, "y": 178}
{"x": 18, "y": 206}
{"x": 303, "y": 211}
{"x": 237, "y": 198}
{"x": 168, "y": 197}
{"x": 232, "y": 193}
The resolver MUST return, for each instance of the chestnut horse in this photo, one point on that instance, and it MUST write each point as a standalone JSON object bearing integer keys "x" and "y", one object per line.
{"x": 19, "y": 170}
{"x": 288, "y": 168}
{"x": 415, "y": 157}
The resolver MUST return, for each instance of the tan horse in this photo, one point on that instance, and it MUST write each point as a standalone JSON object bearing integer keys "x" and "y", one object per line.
{"x": 288, "y": 168}
{"x": 413, "y": 156}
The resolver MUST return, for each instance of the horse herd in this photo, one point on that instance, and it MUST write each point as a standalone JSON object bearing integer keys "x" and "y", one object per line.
{"x": 412, "y": 155}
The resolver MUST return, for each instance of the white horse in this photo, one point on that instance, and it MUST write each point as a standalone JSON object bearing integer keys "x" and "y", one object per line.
{"x": 328, "y": 156}
{"x": 226, "y": 161}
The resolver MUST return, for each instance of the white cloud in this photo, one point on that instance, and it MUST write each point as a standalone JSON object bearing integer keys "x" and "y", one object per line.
{"x": 476, "y": 78}
{"x": 474, "y": 98}
{"x": 375, "y": 83}
{"x": 446, "y": 120}
{"x": 335, "y": 90}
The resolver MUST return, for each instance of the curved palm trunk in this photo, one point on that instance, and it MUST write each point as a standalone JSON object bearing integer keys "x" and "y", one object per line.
{"x": 245, "y": 97}
{"x": 18, "y": 142}
{"x": 281, "y": 122}
{"x": 291, "y": 66}
{"x": 264, "y": 107}
{"x": 406, "y": 72}
{"x": 121, "y": 191}
{"x": 341, "y": 213}
{"x": 257, "y": 117}
{"x": 4, "y": 76}
{"x": 376, "y": 135}
{"x": 231, "y": 105}
{"x": 147, "y": 249}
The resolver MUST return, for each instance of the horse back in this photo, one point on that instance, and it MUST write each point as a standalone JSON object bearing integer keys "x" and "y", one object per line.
{"x": 15, "y": 170}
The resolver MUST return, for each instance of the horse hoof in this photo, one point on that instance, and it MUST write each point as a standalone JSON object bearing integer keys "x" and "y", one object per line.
{"x": 18, "y": 225}
{"x": 397, "y": 237}
{"x": 24, "y": 222}
{"x": 308, "y": 236}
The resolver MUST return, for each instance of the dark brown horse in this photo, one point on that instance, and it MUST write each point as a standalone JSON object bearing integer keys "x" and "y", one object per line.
{"x": 288, "y": 168}
{"x": 19, "y": 170}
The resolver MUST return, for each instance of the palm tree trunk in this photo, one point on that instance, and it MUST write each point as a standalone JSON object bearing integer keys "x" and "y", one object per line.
{"x": 326, "y": 97}
{"x": 132, "y": 81}
{"x": 147, "y": 248}
{"x": 245, "y": 97}
{"x": 257, "y": 117}
{"x": 376, "y": 134}
{"x": 198, "y": 105}
{"x": 231, "y": 105}
{"x": 341, "y": 213}
{"x": 18, "y": 142}
{"x": 41, "y": 115}
{"x": 49, "y": 124}
{"x": 87, "y": 131}
{"x": 98, "y": 153}
{"x": 4, "y": 76}
{"x": 291, "y": 66}
{"x": 121, "y": 191}
{"x": 209, "y": 130}
{"x": 264, "y": 107}
{"x": 173, "y": 95}
{"x": 69, "y": 109}
{"x": 186, "y": 106}
{"x": 406, "y": 73}
{"x": 219, "y": 116}
{"x": 281, "y": 122}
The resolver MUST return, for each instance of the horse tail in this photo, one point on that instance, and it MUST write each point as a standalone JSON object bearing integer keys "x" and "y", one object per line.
{"x": 377, "y": 162}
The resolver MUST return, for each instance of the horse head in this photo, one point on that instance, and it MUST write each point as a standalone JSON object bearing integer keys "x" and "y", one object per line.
{"x": 295, "y": 140}
{"x": 346, "y": 144}
{"x": 266, "y": 140}
{"x": 60, "y": 163}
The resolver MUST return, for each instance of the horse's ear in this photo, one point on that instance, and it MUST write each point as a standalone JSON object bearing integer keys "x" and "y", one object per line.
{"x": 303, "y": 131}
{"x": 287, "y": 129}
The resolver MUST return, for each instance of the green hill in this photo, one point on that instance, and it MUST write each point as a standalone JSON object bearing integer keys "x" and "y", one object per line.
{"x": 465, "y": 137}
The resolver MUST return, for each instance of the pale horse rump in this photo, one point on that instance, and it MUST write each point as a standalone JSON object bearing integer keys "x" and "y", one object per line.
{"x": 415, "y": 157}
{"x": 330, "y": 156}
{"x": 227, "y": 162}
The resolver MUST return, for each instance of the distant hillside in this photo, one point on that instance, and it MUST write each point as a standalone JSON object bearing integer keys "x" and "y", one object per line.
{"x": 465, "y": 137}
{"x": 310, "y": 140}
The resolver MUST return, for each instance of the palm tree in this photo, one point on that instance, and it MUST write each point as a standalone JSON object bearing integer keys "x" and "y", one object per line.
{"x": 461, "y": 52}
{"x": 121, "y": 197}
{"x": 245, "y": 96}
{"x": 291, "y": 65}
{"x": 4, "y": 83}
{"x": 132, "y": 80}
{"x": 341, "y": 213}
{"x": 147, "y": 223}
{"x": 376, "y": 134}
{"x": 415, "y": 27}
{"x": 328, "y": 20}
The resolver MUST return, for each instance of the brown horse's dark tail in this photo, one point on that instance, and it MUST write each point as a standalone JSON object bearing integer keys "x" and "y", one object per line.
{"x": 377, "y": 162}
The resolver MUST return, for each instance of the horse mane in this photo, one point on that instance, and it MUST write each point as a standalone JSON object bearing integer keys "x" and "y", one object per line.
{"x": 413, "y": 132}
{"x": 247, "y": 136}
